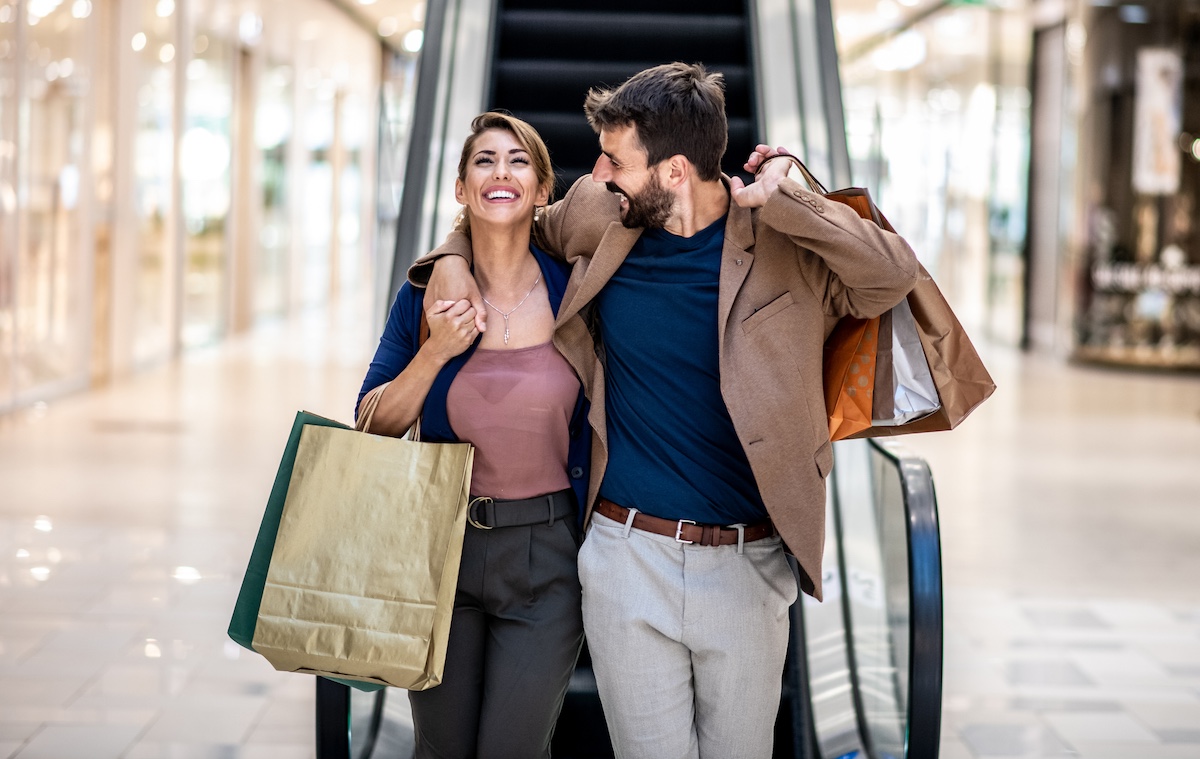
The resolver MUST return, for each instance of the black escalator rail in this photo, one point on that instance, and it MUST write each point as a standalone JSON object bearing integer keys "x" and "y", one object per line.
{"x": 550, "y": 53}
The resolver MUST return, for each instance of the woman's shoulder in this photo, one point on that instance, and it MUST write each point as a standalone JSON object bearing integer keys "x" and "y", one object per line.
{"x": 551, "y": 265}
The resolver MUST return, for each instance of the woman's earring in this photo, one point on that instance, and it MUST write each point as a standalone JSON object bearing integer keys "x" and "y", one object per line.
{"x": 537, "y": 214}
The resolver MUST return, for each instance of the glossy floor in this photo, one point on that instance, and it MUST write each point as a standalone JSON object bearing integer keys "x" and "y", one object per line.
{"x": 1070, "y": 508}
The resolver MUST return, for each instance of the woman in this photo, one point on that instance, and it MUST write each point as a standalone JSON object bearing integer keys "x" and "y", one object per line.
{"x": 517, "y": 627}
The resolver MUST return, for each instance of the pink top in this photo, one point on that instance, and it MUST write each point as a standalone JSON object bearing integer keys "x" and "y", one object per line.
{"x": 515, "y": 407}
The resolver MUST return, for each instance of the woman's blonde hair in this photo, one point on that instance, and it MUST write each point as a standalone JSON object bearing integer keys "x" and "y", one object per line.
{"x": 526, "y": 135}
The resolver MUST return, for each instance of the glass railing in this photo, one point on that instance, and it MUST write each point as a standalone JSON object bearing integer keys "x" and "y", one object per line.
{"x": 873, "y": 649}
{"x": 863, "y": 677}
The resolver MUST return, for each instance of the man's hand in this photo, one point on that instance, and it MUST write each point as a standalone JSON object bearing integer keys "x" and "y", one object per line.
{"x": 452, "y": 281}
{"x": 451, "y": 329}
{"x": 767, "y": 179}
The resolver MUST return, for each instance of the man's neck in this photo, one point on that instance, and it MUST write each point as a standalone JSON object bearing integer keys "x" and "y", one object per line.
{"x": 697, "y": 206}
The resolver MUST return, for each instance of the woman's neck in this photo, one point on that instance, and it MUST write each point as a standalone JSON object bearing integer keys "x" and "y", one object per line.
{"x": 503, "y": 264}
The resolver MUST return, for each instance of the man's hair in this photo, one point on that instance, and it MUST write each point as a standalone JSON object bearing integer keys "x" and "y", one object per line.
{"x": 676, "y": 109}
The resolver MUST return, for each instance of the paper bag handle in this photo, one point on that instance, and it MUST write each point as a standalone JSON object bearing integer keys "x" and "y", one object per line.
{"x": 814, "y": 184}
{"x": 370, "y": 401}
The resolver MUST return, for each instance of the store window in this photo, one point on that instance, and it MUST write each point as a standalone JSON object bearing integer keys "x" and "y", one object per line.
{"x": 153, "y": 46}
{"x": 44, "y": 194}
{"x": 937, "y": 112}
{"x": 206, "y": 155}
{"x": 273, "y": 133}
{"x": 1140, "y": 301}
{"x": 8, "y": 200}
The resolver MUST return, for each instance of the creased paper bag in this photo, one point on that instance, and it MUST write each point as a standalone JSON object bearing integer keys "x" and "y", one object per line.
{"x": 363, "y": 573}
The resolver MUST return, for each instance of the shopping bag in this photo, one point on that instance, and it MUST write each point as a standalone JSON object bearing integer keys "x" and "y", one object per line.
{"x": 364, "y": 568}
{"x": 245, "y": 610}
{"x": 930, "y": 377}
{"x": 850, "y": 365}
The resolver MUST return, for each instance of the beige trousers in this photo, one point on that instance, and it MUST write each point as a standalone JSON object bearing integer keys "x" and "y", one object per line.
{"x": 687, "y": 642}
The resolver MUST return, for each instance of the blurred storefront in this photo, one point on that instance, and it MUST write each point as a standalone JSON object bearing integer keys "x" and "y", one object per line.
{"x": 937, "y": 100}
{"x": 1131, "y": 239}
{"x": 175, "y": 171}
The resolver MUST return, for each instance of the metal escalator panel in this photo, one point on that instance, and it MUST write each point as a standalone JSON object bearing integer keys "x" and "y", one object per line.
{"x": 548, "y": 55}
{"x": 875, "y": 646}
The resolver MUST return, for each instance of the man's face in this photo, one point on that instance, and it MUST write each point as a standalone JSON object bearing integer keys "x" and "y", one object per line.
{"x": 623, "y": 169}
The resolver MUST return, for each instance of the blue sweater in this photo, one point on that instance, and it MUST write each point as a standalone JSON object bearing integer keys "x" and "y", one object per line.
{"x": 400, "y": 343}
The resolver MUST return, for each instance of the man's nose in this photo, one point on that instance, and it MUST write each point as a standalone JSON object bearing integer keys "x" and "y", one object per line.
{"x": 601, "y": 171}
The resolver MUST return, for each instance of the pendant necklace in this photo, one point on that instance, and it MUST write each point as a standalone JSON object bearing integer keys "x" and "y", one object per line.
{"x": 514, "y": 308}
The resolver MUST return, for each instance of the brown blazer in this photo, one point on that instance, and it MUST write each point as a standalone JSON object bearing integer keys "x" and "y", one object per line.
{"x": 789, "y": 270}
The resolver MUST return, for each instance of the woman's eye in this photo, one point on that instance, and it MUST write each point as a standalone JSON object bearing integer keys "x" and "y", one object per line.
{"x": 521, "y": 160}
{"x": 481, "y": 160}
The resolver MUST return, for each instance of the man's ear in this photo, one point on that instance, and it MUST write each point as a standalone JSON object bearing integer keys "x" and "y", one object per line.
{"x": 460, "y": 192}
{"x": 675, "y": 170}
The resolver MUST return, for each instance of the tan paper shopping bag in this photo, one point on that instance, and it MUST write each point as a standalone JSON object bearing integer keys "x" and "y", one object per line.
{"x": 924, "y": 348}
{"x": 365, "y": 565}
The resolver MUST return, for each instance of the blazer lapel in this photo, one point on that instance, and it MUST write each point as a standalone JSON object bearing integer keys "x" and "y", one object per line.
{"x": 609, "y": 256}
{"x": 736, "y": 260}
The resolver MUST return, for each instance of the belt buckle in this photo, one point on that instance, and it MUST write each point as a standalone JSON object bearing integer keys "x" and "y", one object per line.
{"x": 679, "y": 530}
{"x": 471, "y": 512}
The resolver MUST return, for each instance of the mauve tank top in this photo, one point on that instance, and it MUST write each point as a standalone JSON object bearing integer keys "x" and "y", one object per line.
{"x": 515, "y": 407}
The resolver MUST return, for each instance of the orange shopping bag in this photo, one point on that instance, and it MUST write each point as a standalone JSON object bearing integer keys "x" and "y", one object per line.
{"x": 850, "y": 359}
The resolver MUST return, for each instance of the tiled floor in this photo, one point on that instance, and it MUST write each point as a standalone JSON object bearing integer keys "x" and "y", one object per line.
{"x": 1070, "y": 508}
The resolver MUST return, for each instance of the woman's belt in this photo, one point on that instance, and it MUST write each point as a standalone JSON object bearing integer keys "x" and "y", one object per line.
{"x": 487, "y": 513}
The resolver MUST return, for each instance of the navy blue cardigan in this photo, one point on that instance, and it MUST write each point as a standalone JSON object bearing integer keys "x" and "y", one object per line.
{"x": 400, "y": 342}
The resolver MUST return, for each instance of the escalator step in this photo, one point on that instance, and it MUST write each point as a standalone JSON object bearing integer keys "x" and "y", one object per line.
{"x": 560, "y": 34}
{"x": 573, "y": 143}
{"x": 682, "y": 7}
{"x": 523, "y": 84}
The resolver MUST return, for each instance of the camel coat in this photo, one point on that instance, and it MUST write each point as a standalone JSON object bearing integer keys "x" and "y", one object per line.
{"x": 789, "y": 270}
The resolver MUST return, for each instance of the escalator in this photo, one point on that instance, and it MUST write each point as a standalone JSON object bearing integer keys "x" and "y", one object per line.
{"x": 549, "y": 53}
{"x": 862, "y": 678}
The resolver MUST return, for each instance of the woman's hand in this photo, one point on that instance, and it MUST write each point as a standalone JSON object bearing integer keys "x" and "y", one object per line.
{"x": 451, "y": 329}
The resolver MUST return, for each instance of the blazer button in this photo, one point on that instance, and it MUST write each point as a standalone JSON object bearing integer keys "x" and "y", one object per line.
{"x": 576, "y": 472}
{"x": 739, "y": 262}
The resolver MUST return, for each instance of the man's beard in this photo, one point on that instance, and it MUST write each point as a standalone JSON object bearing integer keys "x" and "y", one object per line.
{"x": 651, "y": 208}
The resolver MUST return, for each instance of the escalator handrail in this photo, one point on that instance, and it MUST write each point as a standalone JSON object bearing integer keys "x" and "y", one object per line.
{"x": 925, "y": 598}
{"x": 412, "y": 198}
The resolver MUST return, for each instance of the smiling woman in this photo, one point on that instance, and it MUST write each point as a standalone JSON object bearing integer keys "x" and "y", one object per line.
{"x": 517, "y": 625}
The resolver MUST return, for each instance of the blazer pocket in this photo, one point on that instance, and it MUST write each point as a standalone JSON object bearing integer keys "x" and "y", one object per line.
{"x": 824, "y": 458}
{"x": 751, "y": 322}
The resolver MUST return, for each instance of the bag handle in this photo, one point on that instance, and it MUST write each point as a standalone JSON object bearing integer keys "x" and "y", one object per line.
{"x": 814, "y": 184}
{"x": 371, "y": 400}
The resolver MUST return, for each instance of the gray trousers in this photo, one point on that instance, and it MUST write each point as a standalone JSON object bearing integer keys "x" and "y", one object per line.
{"x": 687, "y": 641}
{"x": 514, "y": 638}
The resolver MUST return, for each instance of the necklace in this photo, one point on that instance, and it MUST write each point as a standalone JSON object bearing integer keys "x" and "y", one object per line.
{"x": 514, "y": 308}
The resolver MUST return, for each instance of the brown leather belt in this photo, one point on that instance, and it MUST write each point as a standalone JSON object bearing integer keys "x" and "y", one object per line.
{"x": 685, "y": 530}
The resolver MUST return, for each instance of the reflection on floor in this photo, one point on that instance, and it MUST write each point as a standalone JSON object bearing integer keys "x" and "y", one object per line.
{"x": 1069, "y": 519}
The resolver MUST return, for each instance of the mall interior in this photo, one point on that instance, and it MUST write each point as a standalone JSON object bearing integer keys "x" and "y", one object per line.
{"x": 206, "y": 207}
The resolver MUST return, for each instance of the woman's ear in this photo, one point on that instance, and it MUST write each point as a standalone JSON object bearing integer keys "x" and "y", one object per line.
{"x": 543, "y": 196}
{"x": 460, "y": 192}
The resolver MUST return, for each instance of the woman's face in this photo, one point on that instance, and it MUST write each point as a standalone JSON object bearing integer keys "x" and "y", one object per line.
{"x": 501, "y": 185}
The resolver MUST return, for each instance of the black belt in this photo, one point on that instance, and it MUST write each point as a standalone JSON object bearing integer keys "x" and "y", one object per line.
{"x": 487, "y": 513}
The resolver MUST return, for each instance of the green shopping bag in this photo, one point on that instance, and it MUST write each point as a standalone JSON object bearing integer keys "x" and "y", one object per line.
{"x": 245, "y": 611}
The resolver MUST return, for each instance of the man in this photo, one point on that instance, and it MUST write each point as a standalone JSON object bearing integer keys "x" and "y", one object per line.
{"x": 697, "y": 326}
